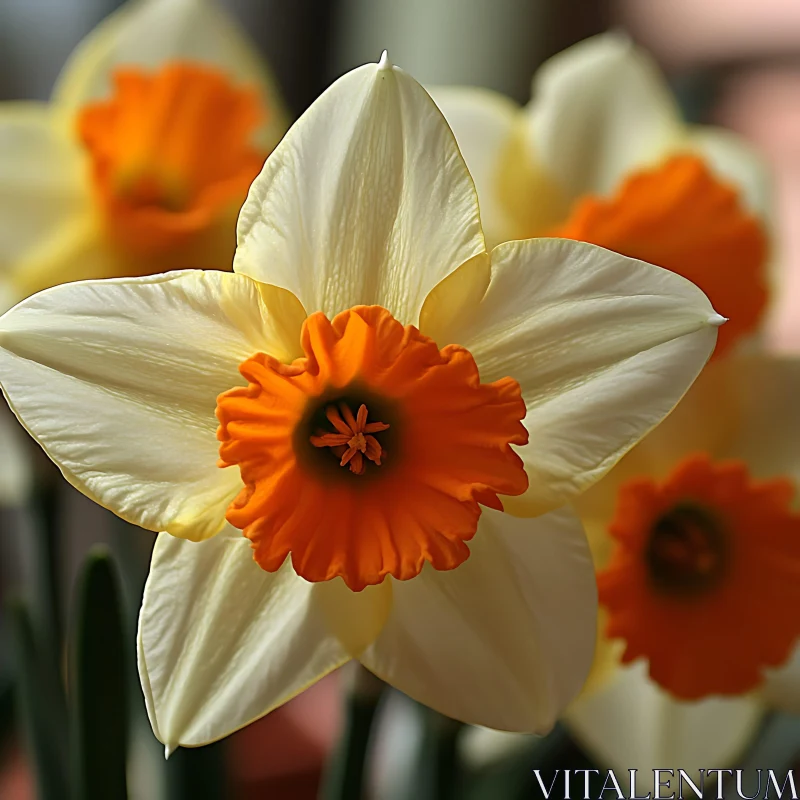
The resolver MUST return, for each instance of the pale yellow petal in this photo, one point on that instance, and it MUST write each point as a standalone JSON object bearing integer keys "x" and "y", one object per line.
{"x": 117, "y": 380}
{"x": 599, "y": 110}
{"x": 768, "y": 391}
{"x": 222, "y": 642}
{"x": 365, "y": 201}
{"x": 43, "y": 187}
{"x": 78, "y": 250}
{"x": 603, "y": 347}
{"x": 781, "y": 689}
{"x": 506, "y": 639}
{"x": 701, "y": 422}
{"x": 633, "y": 724}
{"x": 739, "y": 164}
{"x": 483, "y": 123}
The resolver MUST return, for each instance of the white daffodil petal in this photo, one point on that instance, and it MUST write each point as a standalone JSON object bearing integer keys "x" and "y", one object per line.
{"x": 633, "y": 724}
{"x": 367, "y": 200}
{"x": 768, "y": 389}
{"x": 599, "y": 110}
{"x": 150, "y": 33}
{"x": 781, "y": 687}
{"x": 42, "y": 180}
{"x": 222, "y": 642}
{"x": 117, "y": 380}
{"x": 737, "y": 163}
{"x": 483, "y": 123}
{"x": 506, "y": 639}
{"x": 603, "y": 346}
{"x": 76, "y": 250}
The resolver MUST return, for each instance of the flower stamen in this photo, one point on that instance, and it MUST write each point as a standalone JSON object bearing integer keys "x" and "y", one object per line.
{"x": 353, "y": 440}
{"x": 686, "y": 549}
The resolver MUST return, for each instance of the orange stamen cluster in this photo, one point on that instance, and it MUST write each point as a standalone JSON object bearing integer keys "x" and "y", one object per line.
{"x": 170, "y": 152}
{"x": 448, "y": 435}
{"x": 353, "y": 440}
{"x": 681, "y": 217}
{"x": 704, "y": 578}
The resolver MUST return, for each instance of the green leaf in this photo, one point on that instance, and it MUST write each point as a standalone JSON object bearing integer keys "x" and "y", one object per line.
{"x": 40, "y": 705}
{"x": 344, "y": 776}
{"x": 98, "y": 683}
{"x": 439, "y": 771}
{"x": 198, "y": 773}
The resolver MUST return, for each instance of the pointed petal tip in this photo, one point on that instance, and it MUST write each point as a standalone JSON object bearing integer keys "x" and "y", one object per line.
{"x": 716, "y": 320}
{"x": 384, "y": 63}
{"x": 169, "y": 749}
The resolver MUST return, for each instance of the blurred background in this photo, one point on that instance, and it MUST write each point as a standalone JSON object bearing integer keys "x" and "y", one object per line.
{"x": 731, "y": 62}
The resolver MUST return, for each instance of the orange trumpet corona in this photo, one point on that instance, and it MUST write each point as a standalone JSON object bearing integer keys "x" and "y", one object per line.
{"x": 681, "y": 217}
{"x": 383, "y": 491}
{"x": 170, "y": 151}
{"x": 704, "y": 578}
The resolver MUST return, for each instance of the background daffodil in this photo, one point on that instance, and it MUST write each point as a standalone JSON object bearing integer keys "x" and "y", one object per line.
{"x": 733, "y": 576}
{"x": 602, "y": 126}
{"x": 367, "y": 379}
{"x": 694, "y": 533}
{"x": 157, "y": 125}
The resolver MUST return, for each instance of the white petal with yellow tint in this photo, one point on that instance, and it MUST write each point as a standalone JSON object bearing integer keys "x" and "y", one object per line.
{"x": 599, "y": 110}
{"x": 367, "y": 200}
{"x": 603, "y": 347}
{"x": 768, "y": 390}
{"x": 633, "y": 724}
{"x": 74, "y": 251}
{"x": 781, "y": 688}
{"x": 737, "y": 163}
{"x": 42, "y": 180}
{"x": 506, "y": 639}
{"x": 117, "y": 380}
{"x": 150, "y": 33}
{"x": 222, "y": 642}
{"x": 483, "y": 123}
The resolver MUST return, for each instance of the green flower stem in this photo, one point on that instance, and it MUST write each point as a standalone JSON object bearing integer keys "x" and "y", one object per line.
{"x": 44, "y": 506}
{"x": 440, "y": 773}
{"x": 197, "y": 773}
{"x": 344, "y": 778}
{"x": 98, "y": 683}
{"x": 40, "y": 706}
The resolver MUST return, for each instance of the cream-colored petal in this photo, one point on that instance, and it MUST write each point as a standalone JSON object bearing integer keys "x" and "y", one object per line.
{"x": 633, "y": 724}
{"x": 117, "y": 380}
{"x": 365, "y": 201}
{"x": 149, "y": 33}
{"x": 599, "y": 110}
{"x": 781, "y": 687}
{"x": 701, "y": 422}
{"x": 602, "y": 345}
{"x": 506, "y": 639}
{"x": 43, "y": 186}
{"x": 78, "y": 250}
{"x": 768, "y": 391}
{"x": 483, "y": 123}
{"x": 222, "y": 642}
{"x": 738, "y": 163}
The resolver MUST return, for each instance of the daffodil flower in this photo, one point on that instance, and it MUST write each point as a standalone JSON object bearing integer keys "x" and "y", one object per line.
{"x": 356, "y": 444}
{"x": 695, "y": 532}
{"x": 158, "y": 124}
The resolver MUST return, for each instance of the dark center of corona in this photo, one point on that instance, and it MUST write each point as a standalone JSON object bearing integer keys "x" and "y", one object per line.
{"x": 348, "y": 435}
{"x": 686, "y": 552}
